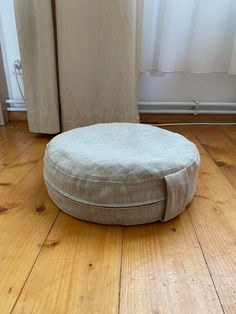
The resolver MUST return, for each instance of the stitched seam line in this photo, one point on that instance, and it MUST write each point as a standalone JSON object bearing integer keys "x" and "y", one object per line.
{"x": 73, "y": 198}
{"x": 105, "y": 207}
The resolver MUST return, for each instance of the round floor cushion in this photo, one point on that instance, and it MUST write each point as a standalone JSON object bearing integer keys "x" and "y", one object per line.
{"x": 121, "y": 173}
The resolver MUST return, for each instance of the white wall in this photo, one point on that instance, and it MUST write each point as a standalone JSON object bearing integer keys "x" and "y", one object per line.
{"x": 187, "y": 87}
{"x": 9, "y": 44}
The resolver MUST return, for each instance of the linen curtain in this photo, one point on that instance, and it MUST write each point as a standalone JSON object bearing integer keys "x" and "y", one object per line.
{"x": 80, "y": 61}
{"x": 3, "y": 92}
{"x": 196, "y": 36}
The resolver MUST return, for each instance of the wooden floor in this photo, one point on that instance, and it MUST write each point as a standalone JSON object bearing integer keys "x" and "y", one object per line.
{"x": 52, "y": 263}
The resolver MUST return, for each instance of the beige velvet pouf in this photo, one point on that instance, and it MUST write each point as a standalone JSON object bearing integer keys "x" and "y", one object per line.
{"x": 121, "y": 173}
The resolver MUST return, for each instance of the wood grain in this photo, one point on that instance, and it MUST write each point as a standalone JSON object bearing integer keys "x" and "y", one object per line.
{"x": 78, "y": 270}
{"x": 230, "y": 133}
{"x": 26, "y": 217}
{"x": 221, "y": 150}
{"x": 213, "y": 216}
{"x": 164, "y": 271}
{"x": 16, "y": 170}
{"x": 26, "y": 213}
{"x": 11, "y": 133}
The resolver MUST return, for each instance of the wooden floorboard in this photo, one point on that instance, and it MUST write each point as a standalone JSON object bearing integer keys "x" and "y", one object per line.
{"x": 26, "y": 216}
{"x": 78, "y": 270}
{"x": 164, "y": 271}
{"x": 213, "y": 214}
{"x": 16, "y": 170}
{"x": 230, "y": 133}
{"x": 13, "y": 132}
{"x": 26, "y": 213}
{"x": 52, "y": 263}
{"x": 13, "y": 141}
{"x": 221, "y": 150}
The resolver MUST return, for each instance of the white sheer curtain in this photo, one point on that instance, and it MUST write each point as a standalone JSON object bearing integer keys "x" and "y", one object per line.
{"x": 197, "y": 36}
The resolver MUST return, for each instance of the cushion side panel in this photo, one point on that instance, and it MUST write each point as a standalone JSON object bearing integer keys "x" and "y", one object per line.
{"x": 105, "y": 215}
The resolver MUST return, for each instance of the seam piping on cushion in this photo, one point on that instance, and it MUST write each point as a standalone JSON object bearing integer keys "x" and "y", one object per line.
{"x": 71, "y": 198}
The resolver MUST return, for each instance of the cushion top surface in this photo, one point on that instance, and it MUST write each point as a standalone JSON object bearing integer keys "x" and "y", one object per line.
{"x": 120, "y": 152}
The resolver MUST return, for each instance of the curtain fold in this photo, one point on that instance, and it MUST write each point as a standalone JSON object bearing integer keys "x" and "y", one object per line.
{"x": 197, "y": 36}
{"x": 95, "y": 48}
{"x": 38, "y": 56}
